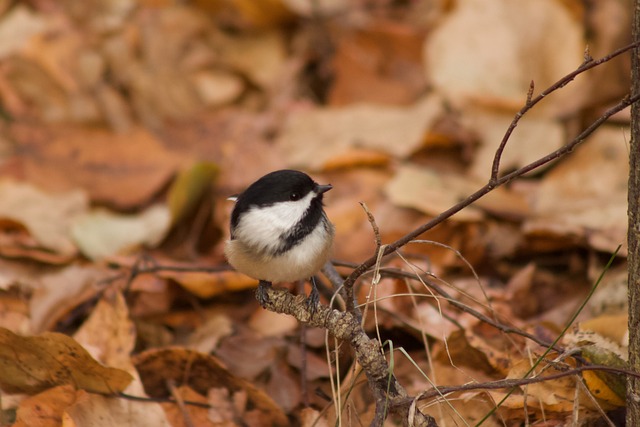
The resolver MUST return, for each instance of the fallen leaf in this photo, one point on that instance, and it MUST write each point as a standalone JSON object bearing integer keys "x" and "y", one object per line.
{"x": 135, "y": 161}
{"x": 33, "y": 364}
{"x": 101, "y": 411}
{"x": 45, "y": 409}
{"x": 509, "y": 45}
{"x": 284, "y": 386}
{"x": 264, "y": 14}
{"x": 200, "y": 372}
{"x": 533, "y": 138}
{"x": 431, "y": 192}
{"x": 17, "y": 27}
{"x": 57, "y": 293}
{"x": 260, "y": 56}
{"x": 206, "y": 337}
{"x": 23, "y": 203}
{"x": 216, "y": 87}
{"x": 197, "y": 416}
{"x": 311, "y": 139}
{"x": 569, "y": 205}
{"x": 206, "y": 285}
{"x": 270, "y": 324}
{"x": 109, "y": 334}
{"x": 101, "y": 233}
{"x": 380, "y": 62}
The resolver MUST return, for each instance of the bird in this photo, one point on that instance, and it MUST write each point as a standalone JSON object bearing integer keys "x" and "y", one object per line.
{"x": 279, "y": 231}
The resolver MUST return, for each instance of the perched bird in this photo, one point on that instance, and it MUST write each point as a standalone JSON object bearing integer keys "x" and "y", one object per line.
{"x": 279, "y": 231}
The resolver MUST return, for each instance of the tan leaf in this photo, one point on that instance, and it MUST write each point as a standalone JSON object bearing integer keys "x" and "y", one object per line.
{"x": 32, "y": 364}
{"x": 101, "y": 233}
{"x": 430, "y": 192}
{"x": 509, "y": 44}
{"x": 45, "y": 409}
{"x": 101, "y": 411}
{"x": 198, "y": 416}
{"x": 109, "y": 334}
{"x": 25, "y": 204}
{"x": 18, "y": 26}
{"x": 584, "y": 198}
{"x": 259, "y": 56}
{"x": 312, "y": 139}
{"x": 201, "y": 372}
{"x": 206, "y": 285}
{"x": 103, "y": 163}
{"x": 56, "y": 294}
{"x": 379, "y": 63}
{"x": 533, "y": 138}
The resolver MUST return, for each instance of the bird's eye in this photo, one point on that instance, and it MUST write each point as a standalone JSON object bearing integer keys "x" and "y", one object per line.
{"x": 294, "y": 196}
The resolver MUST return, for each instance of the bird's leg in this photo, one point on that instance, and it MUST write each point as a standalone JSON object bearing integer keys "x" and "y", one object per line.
{"x": 261, "y": 292}
{"x": 314, "y": 297}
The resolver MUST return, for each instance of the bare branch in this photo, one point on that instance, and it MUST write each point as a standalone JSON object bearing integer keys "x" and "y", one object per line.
{"x": 495, "y": 180}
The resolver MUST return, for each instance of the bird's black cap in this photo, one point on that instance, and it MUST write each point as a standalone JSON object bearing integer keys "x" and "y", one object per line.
{"x": 278, "y": 186}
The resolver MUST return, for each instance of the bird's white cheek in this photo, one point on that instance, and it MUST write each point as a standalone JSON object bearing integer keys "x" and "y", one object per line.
{"x": 263, "y": 226}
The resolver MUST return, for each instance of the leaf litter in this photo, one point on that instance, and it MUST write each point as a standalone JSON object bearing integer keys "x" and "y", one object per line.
{"x": 132, "y": 121}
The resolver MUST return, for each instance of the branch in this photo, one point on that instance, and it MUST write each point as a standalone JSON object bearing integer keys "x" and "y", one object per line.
{"x": 495, "y": 180}
{"x": 346, "y": 326}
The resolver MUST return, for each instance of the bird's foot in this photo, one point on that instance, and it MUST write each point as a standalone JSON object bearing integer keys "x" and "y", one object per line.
{"x": 261, "y": 292}
{"x": 314, "y": 298}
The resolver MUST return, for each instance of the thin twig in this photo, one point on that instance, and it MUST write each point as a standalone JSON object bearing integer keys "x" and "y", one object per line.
{"x": 392, "y": 247}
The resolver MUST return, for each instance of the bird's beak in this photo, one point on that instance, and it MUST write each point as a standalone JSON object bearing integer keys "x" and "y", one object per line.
{"x": 323, "y": 188}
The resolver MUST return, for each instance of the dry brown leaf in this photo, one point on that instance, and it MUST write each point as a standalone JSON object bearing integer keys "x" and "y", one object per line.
{"x": 198, "y": 416}
{"x": 45, "y": 409}
{"x": 533, "y": 138}
{"x": 109, "y": 334}
{"x": 57, "y": 293}
{"x": 206, "y": 337}
{"x": 284, "y": 386}
{"x": 103, "y": 163}
{"x": 313, "y": 138}
{"x": 311, "y": 10}
{"x": 431, "y": 192}
{"x": 217, "y": 87}
{"x": 461, "y": 352}
{"x": 270, "y": 324}
{"x": 487, "y": 53}
{"x": 310, "y": 417}
{"x": 316, "y": 367}
{"x": 14, "y": 311}
{"x": 585, "y": 196}
{"x": 23, "y": 204}
{"x": 556, "y": 395}
{"x": 206, "y": 285}
{"x": 17, "y": 27}
{"x": 612, "y": 327}
{"x": 259, "y": 56}
{"x": 249, "y": 355}
{"x": 101, "y": 233}
{"x": 102, "y": 16}
{"x": 378, "y": 63}
{"x": 201, "y": 372}
{"x": 463, "y": 409}
{"x": 33, "y": 364}
{"x": 354, "y": 157}
{"x": 263, "y": 14}
{"x": 100, "y": 411}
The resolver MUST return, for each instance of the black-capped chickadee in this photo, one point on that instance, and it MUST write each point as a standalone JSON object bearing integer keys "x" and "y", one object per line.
{"x": 279, "y": 231}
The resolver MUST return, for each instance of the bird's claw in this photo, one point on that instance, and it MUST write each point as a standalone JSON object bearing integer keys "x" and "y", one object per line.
{"x": 313, "y": 300}
{"x": 261, "y": 292}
